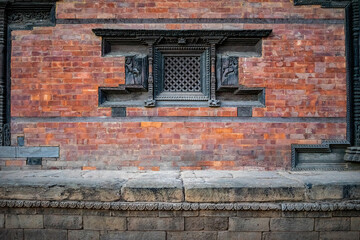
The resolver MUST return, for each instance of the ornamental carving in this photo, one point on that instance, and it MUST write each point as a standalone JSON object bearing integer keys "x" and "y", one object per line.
{"x": 181, "y": 67}
{"x": 184, "y": 206}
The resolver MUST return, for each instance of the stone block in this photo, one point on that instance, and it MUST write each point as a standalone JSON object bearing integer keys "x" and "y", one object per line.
{"x": 104, "y": 223}
{"x": 338, "y": 235}
{"x": 291, "y": 224}
{"x": 239, "y": 235}
{"x": 134, "y": 235}
{"x": 242, "y": 190}
{"x": 62, "y": 222}
{"x": 152, "y": 190}
{"x": 244, "y": 112}
{"x": 290, "y": 235}
{"x": 198, "y": 235}
{"x": 37, "y": 152}
{"x": 7, "y": 152}
{"x": 2, "y": 220}
{"x": 355, "y": 224}
{"x": 44, "y": 234}
{"x": 248, "y": 224}
{"x": 13, "y": 234}
{"x": 325, "y": 192}
{"x": 332, "y": 224}
{"x": 83, "y": 234}
{"x": 217, "y": 213}
{"x": 142, "y": 224}
{"x": 178, "y": 214}
{"x": 206, "y": 223}
{"x": 258, "y": 214}
{"x": 24, "y": 221}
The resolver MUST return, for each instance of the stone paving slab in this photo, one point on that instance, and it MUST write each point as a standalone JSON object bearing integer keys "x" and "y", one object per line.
{"x": 176, "y": 186}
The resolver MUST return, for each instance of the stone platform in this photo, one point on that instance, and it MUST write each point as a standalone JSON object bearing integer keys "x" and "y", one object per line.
{"x": 179, "y": 205}
{"x": 176, "y": 186}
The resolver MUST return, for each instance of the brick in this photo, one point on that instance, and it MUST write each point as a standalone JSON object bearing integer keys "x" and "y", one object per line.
{"x": 83, "y": 234}
{"x": 332, "y": 224}
{"x": 239, "y": 235}
{"x": 206, "y": 223}
{"x": 13, "y": 234}
{"x": 339, "y": 235}
{"x": 134, "y": 235}
{"x": 198, "y": 235}
{"x": 248, "y": 224}
{"x": 355, "y": 224}
{"x": 290, "y": 235}
{"x": 44, "y": 234}
{"x": 88, "y": 168}
{"x": 291, "y": 224}
{"x": 62, "y": 222}
{"x": 176, "y": 223}
{"x": 24, "y": 221}
{"x": 104, "y": 223}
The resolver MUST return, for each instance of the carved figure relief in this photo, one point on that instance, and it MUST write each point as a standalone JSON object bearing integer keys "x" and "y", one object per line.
{"x": 132, "y": 71}
{"x": 227, "y": 71}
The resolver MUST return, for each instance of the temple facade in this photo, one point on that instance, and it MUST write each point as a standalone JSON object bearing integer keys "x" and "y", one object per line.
{"x": 203, "y": 119}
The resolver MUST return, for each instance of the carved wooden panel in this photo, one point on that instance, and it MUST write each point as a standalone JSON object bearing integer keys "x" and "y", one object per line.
{"x": 182, "y": 74}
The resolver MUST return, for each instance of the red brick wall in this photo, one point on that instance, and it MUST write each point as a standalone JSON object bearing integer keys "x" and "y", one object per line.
{"x": 56, "y": 72}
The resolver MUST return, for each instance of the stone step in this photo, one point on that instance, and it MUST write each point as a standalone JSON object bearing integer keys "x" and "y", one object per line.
{"x": 180, "y": 186}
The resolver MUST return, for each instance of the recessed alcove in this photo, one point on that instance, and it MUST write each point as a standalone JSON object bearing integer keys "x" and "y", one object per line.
{"x": 181, "y": 67}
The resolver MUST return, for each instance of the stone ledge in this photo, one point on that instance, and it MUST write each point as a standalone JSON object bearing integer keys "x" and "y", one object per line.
{"x": 178, "y": 187}
{"x": 23, "y": 152}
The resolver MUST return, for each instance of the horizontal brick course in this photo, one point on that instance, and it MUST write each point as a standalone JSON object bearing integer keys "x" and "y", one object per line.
{"x": 175, "y": 145}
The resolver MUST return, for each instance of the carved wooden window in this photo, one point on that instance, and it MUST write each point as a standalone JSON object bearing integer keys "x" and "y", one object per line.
{"x": 177, "y": 68}
{"x": 181, "y": 73}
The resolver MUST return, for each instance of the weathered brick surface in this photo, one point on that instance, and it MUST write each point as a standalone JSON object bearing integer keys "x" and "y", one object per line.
{"x": 62, "y": 222}
{"x": 292, "y": 224}
{"x": 24, "y": 221}
{"x": 193, "y": 9}
{"x": 156, "y": 223}
{"x": 249, "y": 224}
{"x": 44, "y": 234}
{"x": 104, "y": 223}
{"x": 56, "y": 72}
{"x": 301, "y": 77}
{"x": 174, "y": 145}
